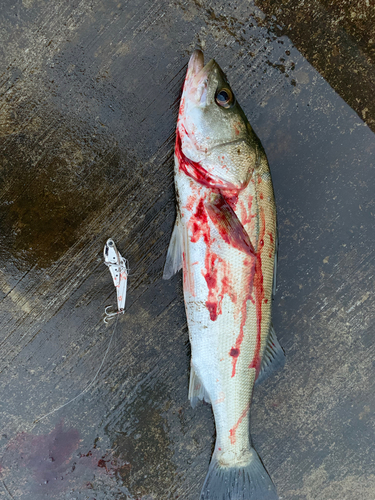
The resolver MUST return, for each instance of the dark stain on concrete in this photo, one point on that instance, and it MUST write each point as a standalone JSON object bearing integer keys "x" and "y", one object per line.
{"x": 337, "y": 38}
{"x": 47, "y": 195}
{"x": 148, "y": 452}
{"x": 48, "y": 464}
{"x": 45, "y": 456}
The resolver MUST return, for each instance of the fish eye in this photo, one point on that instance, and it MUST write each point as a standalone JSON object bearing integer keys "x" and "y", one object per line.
{"x": 225, "y": 98}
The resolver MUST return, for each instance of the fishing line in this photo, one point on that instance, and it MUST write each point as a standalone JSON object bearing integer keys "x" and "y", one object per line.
{"x": 90, "y": 384}
{"x": 6, "y": 489}
{"x": 118, "y": 267}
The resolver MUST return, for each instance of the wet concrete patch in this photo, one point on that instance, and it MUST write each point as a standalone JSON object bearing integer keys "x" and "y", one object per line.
{"x": 148, "y": 451}
{"x": 46, "y": 197}
{"x": 335, "y": 37}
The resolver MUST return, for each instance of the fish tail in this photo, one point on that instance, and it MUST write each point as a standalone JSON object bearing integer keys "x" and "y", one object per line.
{"x": 245, "y": 482}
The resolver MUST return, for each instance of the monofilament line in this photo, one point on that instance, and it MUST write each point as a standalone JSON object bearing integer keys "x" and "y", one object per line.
{"x": 90, "y": 384}
{"x": 6, "y": 489}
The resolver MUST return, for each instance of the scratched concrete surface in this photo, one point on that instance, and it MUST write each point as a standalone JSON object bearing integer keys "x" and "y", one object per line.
{"x": 89, "y": 100}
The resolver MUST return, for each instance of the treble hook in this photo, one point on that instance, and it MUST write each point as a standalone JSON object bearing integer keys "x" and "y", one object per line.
{"x": 109, "y": 316}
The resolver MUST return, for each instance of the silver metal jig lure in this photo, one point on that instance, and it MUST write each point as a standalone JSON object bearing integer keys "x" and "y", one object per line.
{"x": 119, "y": 271}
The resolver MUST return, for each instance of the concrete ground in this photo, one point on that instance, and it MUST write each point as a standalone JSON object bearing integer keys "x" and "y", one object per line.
{"x": 89, "y": 94}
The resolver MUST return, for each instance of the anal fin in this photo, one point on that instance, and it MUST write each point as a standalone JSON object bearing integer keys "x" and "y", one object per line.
{"x": 196, "y": 389}
{"x": 273, "y": 357}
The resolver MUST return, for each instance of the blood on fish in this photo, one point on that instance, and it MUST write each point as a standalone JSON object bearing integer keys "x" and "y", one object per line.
{"x": 231, "y": 197}
{"x": 195, "y": 170}
{"x": 198, "y": 224}
{"x": 259, "y": 293}
{"x": 182, "y": 107}
{"x": 246, "y": 215}
{"x": 201, "y": 212}
{"x": 248, "y": 296}
{"x": 216, "y": 270}
{"x": 191, "y": 202}
{"x": 233, "y": 430}
{"x": 212, "y": 304}
{"x": 218, "y": 283}
{"x": 221, "y": 398}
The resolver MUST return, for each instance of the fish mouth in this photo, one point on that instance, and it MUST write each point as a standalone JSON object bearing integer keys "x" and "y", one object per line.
{"x": 196, "y": 62}
{"x": 197, "y": 71}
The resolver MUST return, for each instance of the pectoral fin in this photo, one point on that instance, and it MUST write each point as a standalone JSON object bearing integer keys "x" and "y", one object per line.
{"x": 228, "y": 224}
{"x": 273, "y": 357}
{"x": 174, "y": 261}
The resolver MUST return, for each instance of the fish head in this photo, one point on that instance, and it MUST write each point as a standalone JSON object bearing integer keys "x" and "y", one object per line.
{"x": 214, "y": 130}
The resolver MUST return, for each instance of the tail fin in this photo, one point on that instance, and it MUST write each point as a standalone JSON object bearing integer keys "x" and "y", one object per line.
{"x": 249, "y": 482}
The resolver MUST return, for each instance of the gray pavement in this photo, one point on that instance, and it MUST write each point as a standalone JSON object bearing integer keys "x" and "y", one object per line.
{"x": 89, "y": 94}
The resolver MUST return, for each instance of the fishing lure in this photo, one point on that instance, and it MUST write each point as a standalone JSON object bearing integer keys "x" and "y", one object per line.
{"x": 119, "y": 271}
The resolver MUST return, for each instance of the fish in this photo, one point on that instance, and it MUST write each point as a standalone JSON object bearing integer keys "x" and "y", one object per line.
{"x": 225, "y": 240}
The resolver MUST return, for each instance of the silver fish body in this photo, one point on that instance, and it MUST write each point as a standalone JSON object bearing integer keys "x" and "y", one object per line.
{"x": 225, "y": 241}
